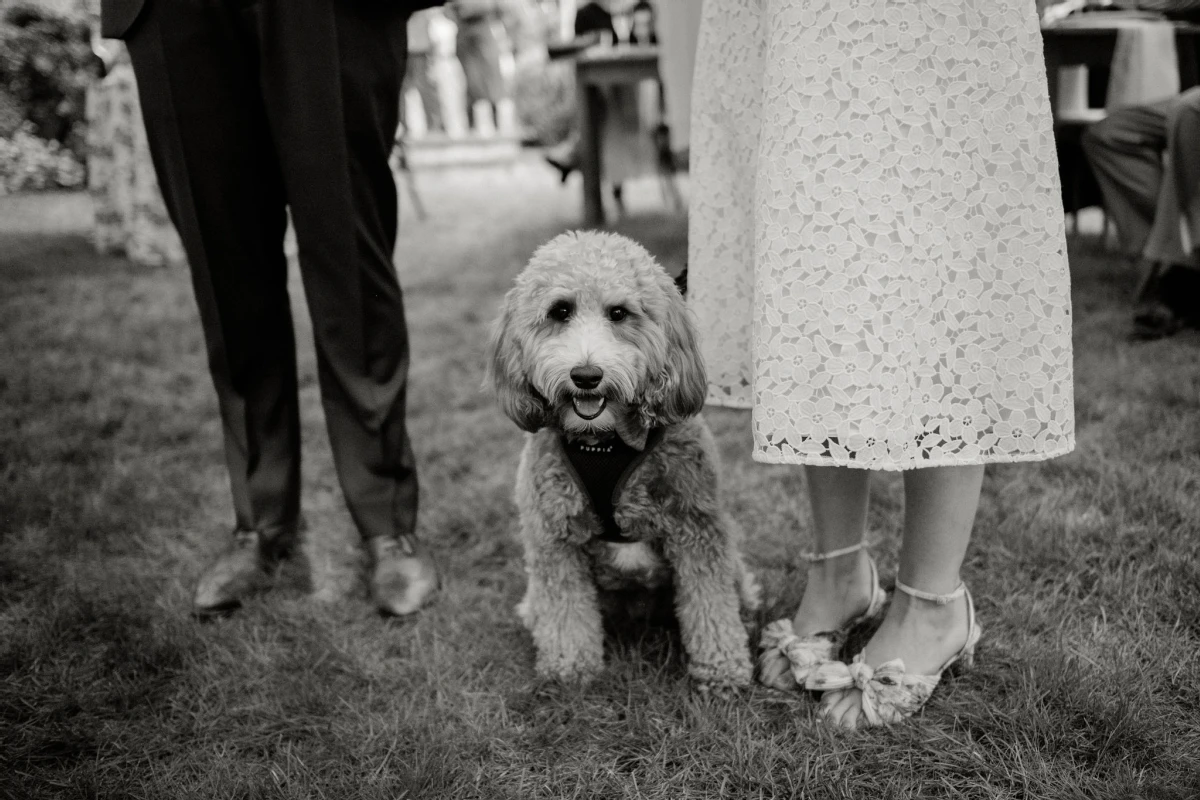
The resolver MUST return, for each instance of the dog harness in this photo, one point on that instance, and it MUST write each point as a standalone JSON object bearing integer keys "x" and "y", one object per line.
{"x": 602, "y": 470}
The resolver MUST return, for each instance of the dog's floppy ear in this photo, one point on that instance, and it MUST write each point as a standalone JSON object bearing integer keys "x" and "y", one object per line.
{"x": 506, "y": 375}
{"x": 679, "y": 390}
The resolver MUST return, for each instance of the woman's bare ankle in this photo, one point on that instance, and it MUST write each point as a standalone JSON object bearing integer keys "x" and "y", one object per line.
{"x": 837, "y": 591}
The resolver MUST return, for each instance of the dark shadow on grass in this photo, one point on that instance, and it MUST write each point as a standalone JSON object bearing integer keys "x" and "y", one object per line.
{"x": 39, "y": 257}
{"x": 86, "y": 674}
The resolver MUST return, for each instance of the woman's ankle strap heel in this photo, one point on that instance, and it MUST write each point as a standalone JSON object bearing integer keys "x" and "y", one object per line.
{"x": 814, "y": 558}
{"x": 939, "y": 599}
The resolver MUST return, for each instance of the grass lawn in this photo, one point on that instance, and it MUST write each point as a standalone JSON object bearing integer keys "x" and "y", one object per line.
{"x": 1086, "y": 570}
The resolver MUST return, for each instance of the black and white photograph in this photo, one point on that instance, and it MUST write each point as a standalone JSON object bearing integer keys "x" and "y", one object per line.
{"x": 600, "y": 399}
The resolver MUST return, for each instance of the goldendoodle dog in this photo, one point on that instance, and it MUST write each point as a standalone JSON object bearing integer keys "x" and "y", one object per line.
{"x": 595, "y": 356}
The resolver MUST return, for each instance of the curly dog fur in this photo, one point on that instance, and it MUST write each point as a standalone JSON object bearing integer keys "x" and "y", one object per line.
{"x": 595, "y": 342}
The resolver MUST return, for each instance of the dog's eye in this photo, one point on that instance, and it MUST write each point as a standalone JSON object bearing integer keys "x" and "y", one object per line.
{"x": 560, "y": 311}
{"x": 617, "y": 313}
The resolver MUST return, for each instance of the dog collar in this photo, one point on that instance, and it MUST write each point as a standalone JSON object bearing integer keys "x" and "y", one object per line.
{"x": 602, "y": 470}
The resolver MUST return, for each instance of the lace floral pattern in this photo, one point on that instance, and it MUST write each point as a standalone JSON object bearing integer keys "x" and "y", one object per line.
{"x": 878, "y": 264}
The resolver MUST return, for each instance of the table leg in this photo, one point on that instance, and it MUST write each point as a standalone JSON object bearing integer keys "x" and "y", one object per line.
{"x": 1189, "y": 69}
{"x": 589, "y": 153}
{"x": 1053, "y": 63}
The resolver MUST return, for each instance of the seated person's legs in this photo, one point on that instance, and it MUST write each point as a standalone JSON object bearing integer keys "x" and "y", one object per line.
{"x": 1125, "y": 151}
{"x": 1183, "y": 142}
{"x": 1174, "y": 298}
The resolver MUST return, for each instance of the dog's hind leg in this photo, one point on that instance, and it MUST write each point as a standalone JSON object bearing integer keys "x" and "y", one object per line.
{"x": 707, "y": 588}
{"x": 562, "y": 611}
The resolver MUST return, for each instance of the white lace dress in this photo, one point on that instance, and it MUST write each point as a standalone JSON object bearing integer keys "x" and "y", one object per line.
{"x": 877, "y": 260}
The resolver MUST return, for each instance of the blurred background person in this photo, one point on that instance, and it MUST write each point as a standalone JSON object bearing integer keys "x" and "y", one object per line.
{"x": 1147, "y": 162}
{"x": 446, "y": 73}
{"x": 1146, "y": 159}
{"x": 422, "y": 105}
{"x": 485, "y": 51}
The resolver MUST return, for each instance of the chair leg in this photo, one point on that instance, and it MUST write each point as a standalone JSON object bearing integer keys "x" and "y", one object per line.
{"x": 406, "y": 176}
{"x": 418, "y": 205}
{"x": 618, "y": 195}
{"x": 669, "y": 191}
{"x": 1150, "y": 274}
{"x": 1075, "y": 201}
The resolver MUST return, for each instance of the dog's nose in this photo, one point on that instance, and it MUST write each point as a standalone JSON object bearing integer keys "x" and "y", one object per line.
{"x": 587, "y": 377}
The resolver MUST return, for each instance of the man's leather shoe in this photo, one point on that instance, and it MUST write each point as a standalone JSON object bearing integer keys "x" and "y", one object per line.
{"x": 403, "y": 576}
{"x": 238, "y": 571}
{"x": 1155, "y": 320}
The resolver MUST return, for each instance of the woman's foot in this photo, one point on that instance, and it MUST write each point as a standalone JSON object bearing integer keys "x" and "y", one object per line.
{"x": 925, "y": 636}
{"x": 842, "y": 590}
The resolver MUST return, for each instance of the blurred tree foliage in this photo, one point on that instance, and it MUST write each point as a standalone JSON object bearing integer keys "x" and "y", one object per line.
{"x": 46, "y": 64}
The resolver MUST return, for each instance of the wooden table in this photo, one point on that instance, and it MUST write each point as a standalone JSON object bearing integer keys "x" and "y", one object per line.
{"x": 595, "y": 69}
{"x": 1094, "y": 46}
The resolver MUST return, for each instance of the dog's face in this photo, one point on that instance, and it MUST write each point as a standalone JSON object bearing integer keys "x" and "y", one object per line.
{"x": 594, "y": 336}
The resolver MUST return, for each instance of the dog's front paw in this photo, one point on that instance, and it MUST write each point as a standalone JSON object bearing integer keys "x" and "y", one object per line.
{"x": 721, "y": 685}
{"x": 721, "y": 680}
{"x": 720, "y": 691}
{"x": 570, "y": 670}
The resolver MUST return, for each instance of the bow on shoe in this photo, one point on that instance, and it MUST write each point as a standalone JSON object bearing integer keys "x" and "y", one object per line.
{"x": 801, "y": 655}
{"x": 888, "y": 692}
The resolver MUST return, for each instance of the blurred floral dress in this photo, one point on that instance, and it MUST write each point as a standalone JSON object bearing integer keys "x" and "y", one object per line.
{"x": 130, "y": 215}
{"x": 876, "y": 239}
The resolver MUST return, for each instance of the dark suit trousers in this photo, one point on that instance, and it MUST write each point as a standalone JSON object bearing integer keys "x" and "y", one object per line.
{"x": 251, "y": 109}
